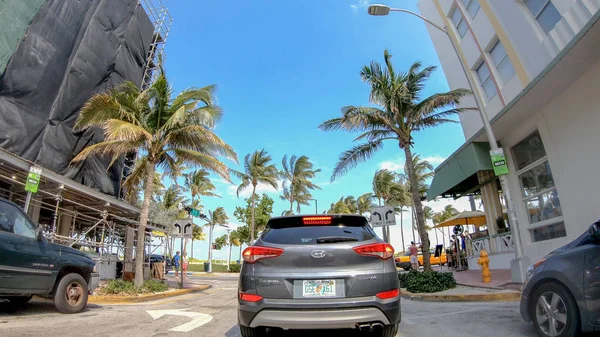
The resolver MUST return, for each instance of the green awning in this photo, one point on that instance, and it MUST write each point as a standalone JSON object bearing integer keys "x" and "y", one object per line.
{"x": 458, "y": 174}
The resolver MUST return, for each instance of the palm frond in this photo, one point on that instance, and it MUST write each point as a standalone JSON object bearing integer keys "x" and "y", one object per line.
{"x": 350, "y": 158}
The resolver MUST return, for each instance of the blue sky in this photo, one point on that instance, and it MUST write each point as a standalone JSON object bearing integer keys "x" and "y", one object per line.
{"x": 284, "y": 67}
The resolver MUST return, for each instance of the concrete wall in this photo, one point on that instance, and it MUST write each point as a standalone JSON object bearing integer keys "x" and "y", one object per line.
{"x": 568, "y": 126}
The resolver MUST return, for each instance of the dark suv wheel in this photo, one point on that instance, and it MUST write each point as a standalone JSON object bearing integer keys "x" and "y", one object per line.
{"x": 554, "y": 311}
{"x": 71, "y": 294}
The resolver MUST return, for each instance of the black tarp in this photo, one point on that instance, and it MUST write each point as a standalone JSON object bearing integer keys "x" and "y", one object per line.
{"x": 72, "y": 50}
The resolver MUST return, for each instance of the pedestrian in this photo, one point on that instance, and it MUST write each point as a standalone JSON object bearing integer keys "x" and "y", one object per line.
{"x": 176, "y": 263}
{"x": 184, "y": 265}
{"x": 414, "y": 260}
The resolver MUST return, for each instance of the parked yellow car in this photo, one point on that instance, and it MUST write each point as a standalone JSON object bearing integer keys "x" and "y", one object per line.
{"x": 403, "y": 261}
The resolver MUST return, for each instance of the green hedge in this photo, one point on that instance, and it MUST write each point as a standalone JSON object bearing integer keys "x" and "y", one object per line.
{"x": 426, "y": 282}
{"x": 121, "y": 287}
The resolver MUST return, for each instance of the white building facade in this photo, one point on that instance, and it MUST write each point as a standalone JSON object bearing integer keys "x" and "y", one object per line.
{"x": 537, "y": 67}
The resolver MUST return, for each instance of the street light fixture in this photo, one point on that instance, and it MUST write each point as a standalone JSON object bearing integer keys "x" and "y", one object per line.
{"x": 520, "y": 262}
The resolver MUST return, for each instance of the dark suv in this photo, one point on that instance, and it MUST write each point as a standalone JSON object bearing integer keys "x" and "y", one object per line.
{"x": 29, "y": 265}
{"x": 319, "y": 272}
{"x": 561, "y": 293}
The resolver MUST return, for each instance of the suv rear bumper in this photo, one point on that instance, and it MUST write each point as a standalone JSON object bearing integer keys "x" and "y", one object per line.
{"x": 300, "y": 314}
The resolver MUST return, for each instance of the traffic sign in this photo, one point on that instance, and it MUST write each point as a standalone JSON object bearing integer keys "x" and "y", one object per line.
{"x": 383, "y": 216}
{"x": 183, "y": 228}
{"x": 33, "y": 179}
{"x": 193, "y": 212}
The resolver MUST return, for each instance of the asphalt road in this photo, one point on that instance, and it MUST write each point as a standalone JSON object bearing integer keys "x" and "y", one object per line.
{"x": 418, "y": 318}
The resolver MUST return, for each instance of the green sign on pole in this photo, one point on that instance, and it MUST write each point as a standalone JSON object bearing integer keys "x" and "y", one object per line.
{"x": 195, "y": 212}
{"x": 33, "y": 179}
{"x": 499, "y": 162}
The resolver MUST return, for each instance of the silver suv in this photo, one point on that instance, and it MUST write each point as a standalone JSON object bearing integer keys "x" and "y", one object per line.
{"x": 319, "y": 272}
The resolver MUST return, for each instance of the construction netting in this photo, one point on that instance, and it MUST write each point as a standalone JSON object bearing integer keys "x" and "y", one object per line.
{"x": 69, "y": 51}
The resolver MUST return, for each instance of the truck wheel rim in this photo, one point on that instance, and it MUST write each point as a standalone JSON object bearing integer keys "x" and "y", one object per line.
{"x": 551, "y": 314}
{"x": 74, "y": 293}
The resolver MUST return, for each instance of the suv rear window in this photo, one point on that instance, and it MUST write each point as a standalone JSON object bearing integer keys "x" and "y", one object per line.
{"x": 291, "y": 231}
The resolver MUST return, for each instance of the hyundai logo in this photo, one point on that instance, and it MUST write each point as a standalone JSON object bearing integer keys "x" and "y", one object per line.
{"x": 317, "y": 254}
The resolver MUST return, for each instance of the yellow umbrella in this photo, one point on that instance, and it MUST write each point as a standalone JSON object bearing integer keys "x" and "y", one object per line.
{"x": 465, "y": 218}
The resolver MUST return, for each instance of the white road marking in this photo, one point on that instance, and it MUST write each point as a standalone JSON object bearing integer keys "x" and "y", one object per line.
{"x": 198, "y": 319}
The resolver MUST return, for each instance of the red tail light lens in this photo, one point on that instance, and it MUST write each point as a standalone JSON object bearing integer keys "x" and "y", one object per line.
{"x": 255, "y": 253}
{"x": 389, "y": 294}
{"x": 381, "y": 250}
{"x": 250, "y": 297}
{"x": 316, "y": 220}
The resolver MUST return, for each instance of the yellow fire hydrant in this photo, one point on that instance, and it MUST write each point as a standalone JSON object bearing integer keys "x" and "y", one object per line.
{"x": 484, "y": 262}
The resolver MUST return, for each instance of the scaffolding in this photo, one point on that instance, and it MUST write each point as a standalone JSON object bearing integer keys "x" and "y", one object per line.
{"x": 162, "y": 21}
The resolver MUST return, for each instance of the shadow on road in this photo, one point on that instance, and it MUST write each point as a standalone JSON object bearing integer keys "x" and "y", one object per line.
{"x": 37, "y": 307}
{"x": 235, "y": 332}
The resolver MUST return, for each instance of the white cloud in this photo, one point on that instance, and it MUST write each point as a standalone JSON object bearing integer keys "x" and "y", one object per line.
{"x": 392, "y": 165}
{"x": 260, "y": 188}
{"x": 359, "y": 6}
{"x": 435, "y": 160}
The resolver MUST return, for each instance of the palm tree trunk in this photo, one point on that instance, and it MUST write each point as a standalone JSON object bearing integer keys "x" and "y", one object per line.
{"x": 253, "y": 206}
{"x": 418, "y": 208}
{"x": 402, "y": 228}
{"x": 141, "y": 233}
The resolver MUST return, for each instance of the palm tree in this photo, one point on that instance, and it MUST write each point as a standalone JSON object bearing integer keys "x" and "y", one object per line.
{"x": 401, "y": 113}
{"x": 428, "y": 214}
{"x": 165, "y": 132}
{"x": 297, "y": 174}
{"x": 218, "y": 217}
{"x": 339, "y": 207}
{"x": 448, "y": 212}
{"x": 364, "y": 203}
{"x": 423, "y": 172}
{"x": 400, "y": 198}
{"x": 257, "y": 169}
{"x": 197, "y": 235}
{"x": 199, "y": 184}
{"x": 385, "y": 186}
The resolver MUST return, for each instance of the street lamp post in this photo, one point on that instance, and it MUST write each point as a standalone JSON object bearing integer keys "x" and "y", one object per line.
{"x": 316, "y": 206}
{"x": 520, "y": 262}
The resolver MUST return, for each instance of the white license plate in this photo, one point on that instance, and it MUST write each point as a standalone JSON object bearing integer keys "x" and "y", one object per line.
{"x": 318, "y": 288}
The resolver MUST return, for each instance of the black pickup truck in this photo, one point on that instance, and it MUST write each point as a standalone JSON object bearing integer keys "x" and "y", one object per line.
{"x": 29, "y": 265}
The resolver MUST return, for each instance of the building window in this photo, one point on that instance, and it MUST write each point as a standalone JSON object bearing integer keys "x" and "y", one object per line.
{"x": 502, "y": 62}
{"x": 472, "y": 7}
{"x": 459, "y": 22}
{"x": 549, "y": 232}
{"x": 537, "y": 184}
{"x": 544, "y": 13}
{"x": 485, "y": 78}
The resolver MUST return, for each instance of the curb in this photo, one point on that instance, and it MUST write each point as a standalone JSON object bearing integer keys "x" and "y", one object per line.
{"x": 511, "y": 296}
{"x": 111, "y": 299}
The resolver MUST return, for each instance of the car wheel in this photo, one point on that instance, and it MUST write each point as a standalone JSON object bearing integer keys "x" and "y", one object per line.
{"x": 554, "y": 311}
{"x": 71, "y": 294}
{"x": 252, "y": 332}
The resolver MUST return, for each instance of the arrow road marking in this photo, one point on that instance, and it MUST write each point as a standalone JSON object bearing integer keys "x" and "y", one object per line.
{"x": 198, "y": 319}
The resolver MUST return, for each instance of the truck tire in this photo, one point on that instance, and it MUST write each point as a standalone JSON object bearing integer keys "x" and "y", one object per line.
{"x": 252, "y": 332}
{"x": 71, "y": 294}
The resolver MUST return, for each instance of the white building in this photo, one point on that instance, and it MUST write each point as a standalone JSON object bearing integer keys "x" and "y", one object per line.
{"x": 538, "y": 72}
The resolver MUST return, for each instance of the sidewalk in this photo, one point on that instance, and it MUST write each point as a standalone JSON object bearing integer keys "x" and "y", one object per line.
{"x": 465, "y": 294}
{"x": 189, "y": 286}
{"x": 501, "y": 279}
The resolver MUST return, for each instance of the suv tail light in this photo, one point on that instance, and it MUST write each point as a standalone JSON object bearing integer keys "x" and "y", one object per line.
{"x": 382, "y": 250}
{"x": 250, "y": 297}
{"x": 389, "y": 294}
{"x": 316, "y": 220}
{"x": 255, "y": 253}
